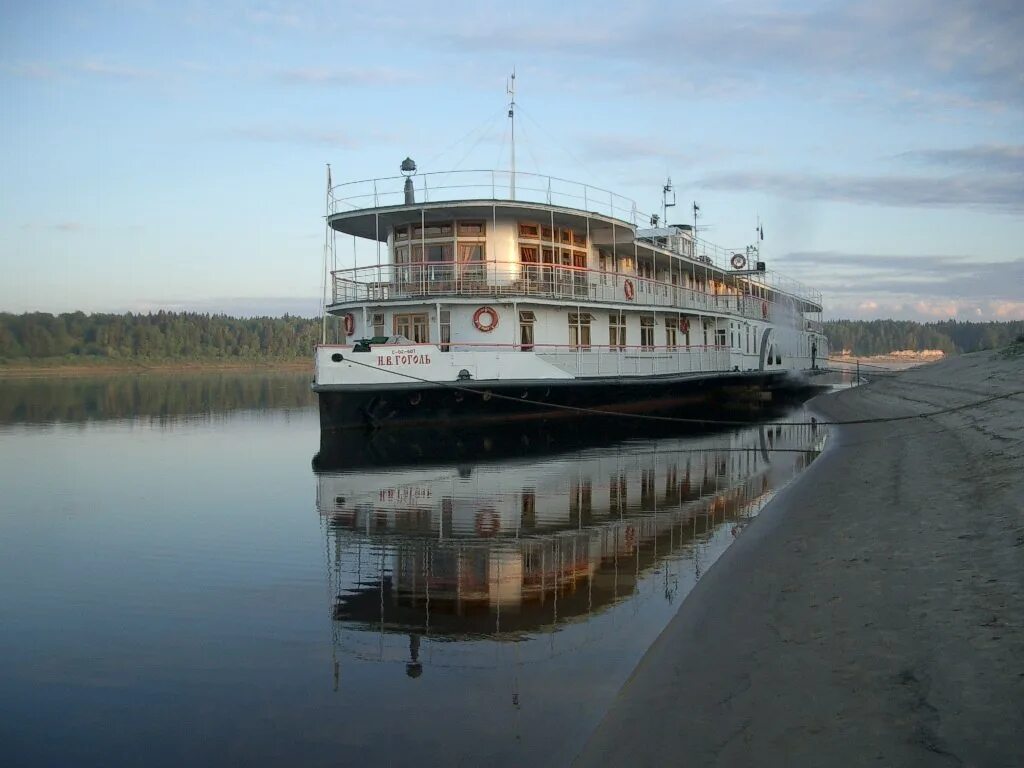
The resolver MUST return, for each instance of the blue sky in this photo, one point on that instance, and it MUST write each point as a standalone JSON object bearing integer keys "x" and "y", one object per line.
{"x": 171, "y": 155}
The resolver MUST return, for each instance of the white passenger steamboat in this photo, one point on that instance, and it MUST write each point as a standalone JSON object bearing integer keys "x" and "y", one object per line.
{"x": 497, "y": 295}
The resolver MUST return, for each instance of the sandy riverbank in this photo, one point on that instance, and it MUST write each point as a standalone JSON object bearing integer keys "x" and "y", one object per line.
{"x": 872, "y": 615}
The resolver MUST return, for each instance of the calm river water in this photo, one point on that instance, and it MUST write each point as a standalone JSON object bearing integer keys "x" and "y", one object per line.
{"x": 187, "y": 578}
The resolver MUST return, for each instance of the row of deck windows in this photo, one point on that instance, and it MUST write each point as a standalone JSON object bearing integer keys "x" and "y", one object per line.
{"x": 563, "y": 235}
{"x": 477, "y": 229}
{"x": 416, "y": 327}
{"x": 549, "y": 249}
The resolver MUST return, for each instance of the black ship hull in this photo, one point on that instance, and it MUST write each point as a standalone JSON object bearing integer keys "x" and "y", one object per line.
{"x": 739, "y": 395}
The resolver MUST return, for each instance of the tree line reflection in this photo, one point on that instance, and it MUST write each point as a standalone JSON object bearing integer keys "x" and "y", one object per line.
{"x": 152, "y": 396}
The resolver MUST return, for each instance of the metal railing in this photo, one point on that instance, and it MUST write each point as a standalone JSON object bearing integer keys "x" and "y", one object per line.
{"x": 451, "y": 186}
{"x": 508, "y": 280}
{"x": 448, "y": 186}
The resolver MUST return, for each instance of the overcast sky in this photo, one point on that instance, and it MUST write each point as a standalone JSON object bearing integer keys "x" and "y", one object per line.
{"x": 160, "y": 154}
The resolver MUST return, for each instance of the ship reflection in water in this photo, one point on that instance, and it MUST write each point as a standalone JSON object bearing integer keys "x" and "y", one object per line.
{"x": 540, "y": 536}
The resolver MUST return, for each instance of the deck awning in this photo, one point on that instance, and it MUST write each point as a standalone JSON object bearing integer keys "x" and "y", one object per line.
{"x": 375, "y": 223}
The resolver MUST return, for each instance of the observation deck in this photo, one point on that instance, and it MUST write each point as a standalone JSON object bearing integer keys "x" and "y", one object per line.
{"x": 371, "y": 209}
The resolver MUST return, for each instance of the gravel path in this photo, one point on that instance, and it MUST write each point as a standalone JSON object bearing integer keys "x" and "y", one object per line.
{"x": 872, "y": 615}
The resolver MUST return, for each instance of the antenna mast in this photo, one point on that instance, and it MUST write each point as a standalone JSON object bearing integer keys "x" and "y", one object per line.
{"x": 665, "y": 204}
{"x": 510, "y": 88}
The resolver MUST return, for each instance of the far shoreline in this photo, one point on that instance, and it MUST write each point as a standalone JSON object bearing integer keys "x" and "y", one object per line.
{"x": 76, "y": 368}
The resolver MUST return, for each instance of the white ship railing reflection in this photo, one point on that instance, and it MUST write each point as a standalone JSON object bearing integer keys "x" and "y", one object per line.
{"x": 511, "y": 549}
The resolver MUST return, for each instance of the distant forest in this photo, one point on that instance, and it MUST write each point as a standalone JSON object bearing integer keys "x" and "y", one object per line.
{"x": 193, "y": 336}
{"x": 157, "y": 336}
{"x": 878, "y": 337}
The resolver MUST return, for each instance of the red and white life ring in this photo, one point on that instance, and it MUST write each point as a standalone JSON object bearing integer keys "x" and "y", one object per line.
{"x": 485, "y": 319}
{"x": 764, "y": 309}
{"x": 628, "y": 288}
{"x": 350, "y": 324}
{"x": 684, "y": 325}
{"x": 739, "y": 261}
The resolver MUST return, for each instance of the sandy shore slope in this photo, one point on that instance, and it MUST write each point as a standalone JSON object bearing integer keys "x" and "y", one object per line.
{"x": 872, "y": 615}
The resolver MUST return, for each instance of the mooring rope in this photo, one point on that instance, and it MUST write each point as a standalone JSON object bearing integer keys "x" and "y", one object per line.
{"x": 682, "y": 420}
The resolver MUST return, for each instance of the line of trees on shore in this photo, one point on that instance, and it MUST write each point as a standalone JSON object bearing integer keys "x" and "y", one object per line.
{"x": 194, "y": 336}
{"x": 156, "y": 336}
{"x": 879, "y": 337}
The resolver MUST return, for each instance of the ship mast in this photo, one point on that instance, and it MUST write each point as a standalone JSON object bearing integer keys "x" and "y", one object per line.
{"x": 510, "y": 88}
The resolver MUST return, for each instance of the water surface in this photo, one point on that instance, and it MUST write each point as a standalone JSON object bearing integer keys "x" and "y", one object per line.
{"x": 187, "y": 575}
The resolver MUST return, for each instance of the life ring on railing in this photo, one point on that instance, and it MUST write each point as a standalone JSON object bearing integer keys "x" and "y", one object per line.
{"x": 739, "y": 261}
{"x": 684, "y": 325}
{"x": 485, "y": 319}
{"x": 627, "y": 287}
{"x": 764, "y": 309}
{"x": 487, "y": 523}
{"x": 350, "y": 324}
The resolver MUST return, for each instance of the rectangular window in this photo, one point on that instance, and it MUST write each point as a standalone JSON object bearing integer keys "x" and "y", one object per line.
{"x": 378, "y": 324}
{"x": 547, "y": 234}
{"x": 579, "y": 239}
{"x": 671, "y": 329}
{"x": 526, "y": 321}
{"x": 566, "y": 236}
{"x": 647, "y": 333}
{"x": 471, "y": 262}
{"x": 414, "y": 327}
{"x": 435, "y": 253}
{"x": 579, "y": 330}
{"x": 446, "y": 330}
{"x": 401, "y": 233}
{"x": 617, "y": 331}
{"x": 530, "y": 231}
{"x": 471, "y": 229}
{"x": 720, "y": 337}
{"x": 439, "y": 229}
{"x": 528, "y": 254}
{"x": 402, "y": 255}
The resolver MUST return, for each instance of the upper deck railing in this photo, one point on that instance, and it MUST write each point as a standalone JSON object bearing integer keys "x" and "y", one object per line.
{"x": 451, "y": 186}
{"x": 496, "y": 280}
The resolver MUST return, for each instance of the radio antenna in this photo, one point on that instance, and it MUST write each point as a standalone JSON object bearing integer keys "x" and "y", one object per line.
{"x": 510, "y": 89}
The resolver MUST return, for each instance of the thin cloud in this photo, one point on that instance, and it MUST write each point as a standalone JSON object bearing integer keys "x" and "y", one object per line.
{"x": 92, "y": 67}
{"x": 933, "y": 277}
{"x": 1000, "y": 158}
{"x": 296, "y": 135}
{"x": 68, "y": 226}
{"x": 621, "y": 148}
{"x": 970, "y": 45}
{"x": 362, "y": 77}
{"x": 991, "y": 192}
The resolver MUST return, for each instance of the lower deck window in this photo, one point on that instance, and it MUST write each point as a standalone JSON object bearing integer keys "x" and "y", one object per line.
{"x": 526, "y": 321}
{"x": 616, "y": 331}
{"x": 579, "y": 330}
{"x": 446, "y": 330}
{"x": 414, "y": 327}
{"x": 647, "y": 333}
{"x": 671, "y": 330}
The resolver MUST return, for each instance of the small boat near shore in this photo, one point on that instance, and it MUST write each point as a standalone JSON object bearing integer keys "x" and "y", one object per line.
{"x": 497, "y": 296}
